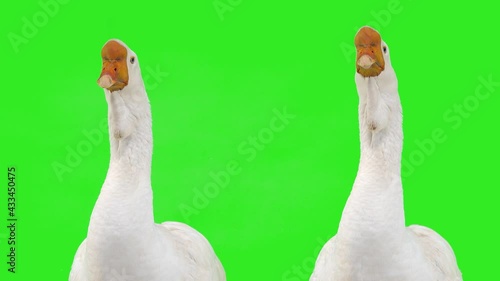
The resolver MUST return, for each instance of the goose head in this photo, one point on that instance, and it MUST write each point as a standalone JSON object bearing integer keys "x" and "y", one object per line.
{"x": 376, "y": 83}
{"x": 124, "y": 89}
{"x": 120, "y": 67}
{"x": 372, "y": 53}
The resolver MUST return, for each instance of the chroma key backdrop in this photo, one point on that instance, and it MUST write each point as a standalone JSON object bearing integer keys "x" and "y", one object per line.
{"x": 255, "y": 124}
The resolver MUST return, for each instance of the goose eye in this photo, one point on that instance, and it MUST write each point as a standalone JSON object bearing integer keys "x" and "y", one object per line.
{"x": 385, "y": 49}
{"x": 132, "y": 60}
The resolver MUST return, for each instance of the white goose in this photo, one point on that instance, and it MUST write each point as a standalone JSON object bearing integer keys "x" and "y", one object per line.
{"x": 372, "y": 242}
{"x": 123, "y": 242}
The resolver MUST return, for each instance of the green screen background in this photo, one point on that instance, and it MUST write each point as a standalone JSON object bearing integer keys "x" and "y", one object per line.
{"x": 227, "y": 75}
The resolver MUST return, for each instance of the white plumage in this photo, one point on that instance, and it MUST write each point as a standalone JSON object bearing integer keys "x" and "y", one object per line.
{"x": 372, "y": 242}
{"x": 123, "y": 242}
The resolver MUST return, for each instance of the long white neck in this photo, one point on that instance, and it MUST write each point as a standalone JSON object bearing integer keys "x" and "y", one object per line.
{"x": 122, "y": 219}
{"x": 374, "y": 215}
{"x": 380, "y": 125}
{"x": 131, "y": 138}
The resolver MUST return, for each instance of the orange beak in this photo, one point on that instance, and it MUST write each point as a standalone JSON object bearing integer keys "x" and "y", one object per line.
{"x": 114, "y": 75}
{"x": 369, "y": 60}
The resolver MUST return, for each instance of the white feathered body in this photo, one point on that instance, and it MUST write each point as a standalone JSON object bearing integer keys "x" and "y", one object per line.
{"x": 123, "y": 242}
{"x": 372, "y": 242}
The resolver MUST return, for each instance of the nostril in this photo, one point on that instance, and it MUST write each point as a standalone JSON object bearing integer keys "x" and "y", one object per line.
{"x": 115, "y": 68}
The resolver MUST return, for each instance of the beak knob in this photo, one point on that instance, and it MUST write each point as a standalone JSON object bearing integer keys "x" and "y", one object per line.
{"x": 365, "y": 61}
{"x": 105, "y": 81}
